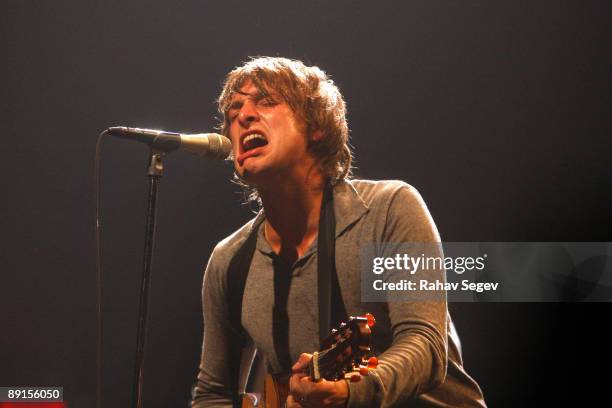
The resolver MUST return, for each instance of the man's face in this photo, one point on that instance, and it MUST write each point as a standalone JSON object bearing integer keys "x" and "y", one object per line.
{"x": 269, "y": 141}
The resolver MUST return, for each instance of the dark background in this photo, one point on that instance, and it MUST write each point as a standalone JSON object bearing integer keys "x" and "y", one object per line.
{"x": 498, "y": 113}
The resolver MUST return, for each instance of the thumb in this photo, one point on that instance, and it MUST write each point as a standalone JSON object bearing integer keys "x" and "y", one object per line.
{"x": 302, "y": 363}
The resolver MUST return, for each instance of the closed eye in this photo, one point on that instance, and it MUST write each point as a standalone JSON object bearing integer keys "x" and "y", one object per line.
{"x": 268, "y": 102}
{"x": 232, "y": 111}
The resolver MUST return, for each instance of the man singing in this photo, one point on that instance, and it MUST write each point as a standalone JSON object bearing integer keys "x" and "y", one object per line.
{"x": 287, "y": 124}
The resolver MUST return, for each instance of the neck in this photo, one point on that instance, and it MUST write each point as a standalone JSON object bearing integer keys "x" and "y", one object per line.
{"x": 292, "y": 216}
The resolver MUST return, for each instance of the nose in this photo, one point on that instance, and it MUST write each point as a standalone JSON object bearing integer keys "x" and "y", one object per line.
{"x": 248, "y": 113}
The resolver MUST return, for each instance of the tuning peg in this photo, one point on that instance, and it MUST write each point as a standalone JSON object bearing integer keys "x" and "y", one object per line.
{"x": 363, "y": 370}
{"x": 372, "y": 362}
{"x": 333, "y": 332}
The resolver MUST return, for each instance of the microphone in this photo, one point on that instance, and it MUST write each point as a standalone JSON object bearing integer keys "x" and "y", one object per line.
{"x": 207, "y": 145}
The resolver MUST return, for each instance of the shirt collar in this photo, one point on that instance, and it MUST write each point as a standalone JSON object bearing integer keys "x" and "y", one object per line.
{"x": 349, "y": 207}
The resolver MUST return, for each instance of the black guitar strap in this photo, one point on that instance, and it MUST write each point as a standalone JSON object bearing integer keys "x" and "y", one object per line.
{"x": 237, "y": 272}
{"x": 328, "y": 285}
{"x": 330, "y": 315}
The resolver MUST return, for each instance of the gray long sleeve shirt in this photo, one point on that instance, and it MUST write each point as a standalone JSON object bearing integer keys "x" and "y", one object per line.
{"x": 420, "y": 361}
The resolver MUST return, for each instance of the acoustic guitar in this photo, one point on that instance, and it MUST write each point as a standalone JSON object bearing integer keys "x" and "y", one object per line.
{"x": 343, "y": 356}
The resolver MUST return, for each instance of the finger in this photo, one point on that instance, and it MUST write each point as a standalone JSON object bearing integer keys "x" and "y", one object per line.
{"x": 302, "y": 363}
{"x": 292, "y": 403}
{"x": 295, "y": 382}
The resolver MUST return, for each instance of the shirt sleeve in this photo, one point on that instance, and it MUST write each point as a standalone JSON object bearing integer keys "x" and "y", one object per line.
{"x": 212, "y": 386}
{"x": 417, "y": 359}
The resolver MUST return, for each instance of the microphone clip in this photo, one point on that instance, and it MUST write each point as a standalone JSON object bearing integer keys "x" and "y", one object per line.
{"x": 156, "y": 164}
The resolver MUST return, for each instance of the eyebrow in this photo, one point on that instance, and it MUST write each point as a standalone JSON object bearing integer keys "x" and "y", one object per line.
{"x": 246, "y": 93}
{"x": 234, "y": 103}
{"x": 257, "y": 95}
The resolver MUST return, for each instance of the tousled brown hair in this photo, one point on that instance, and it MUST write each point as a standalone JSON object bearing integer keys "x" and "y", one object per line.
{"x": 312, "y": 96}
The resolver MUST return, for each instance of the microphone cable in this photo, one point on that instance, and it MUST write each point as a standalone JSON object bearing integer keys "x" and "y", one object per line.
{"x": 98, "y": 245}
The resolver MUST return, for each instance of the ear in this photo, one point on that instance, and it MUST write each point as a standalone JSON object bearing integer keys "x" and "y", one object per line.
{"x": 317, "y": 136}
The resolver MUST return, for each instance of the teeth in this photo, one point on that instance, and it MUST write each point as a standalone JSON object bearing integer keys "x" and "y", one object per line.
{"x": 253, "y": 136}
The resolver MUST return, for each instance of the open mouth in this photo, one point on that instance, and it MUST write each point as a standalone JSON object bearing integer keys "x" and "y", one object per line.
{"x": 254, "y": 141}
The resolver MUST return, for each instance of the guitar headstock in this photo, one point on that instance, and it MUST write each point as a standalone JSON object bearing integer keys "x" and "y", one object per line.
{"x": 344, "y": 351}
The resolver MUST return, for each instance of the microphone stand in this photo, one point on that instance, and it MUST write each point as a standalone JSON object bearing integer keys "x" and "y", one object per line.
{"x": 154, "y": 173}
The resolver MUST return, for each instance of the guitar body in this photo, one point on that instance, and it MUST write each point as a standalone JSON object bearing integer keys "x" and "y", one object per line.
{"x": 274, "y": 396}
{"x": 341, "y": 357}
{"x": 275, "y": 392}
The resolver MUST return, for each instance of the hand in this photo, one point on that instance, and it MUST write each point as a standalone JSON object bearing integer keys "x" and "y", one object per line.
{"x": 303, "y": 392}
